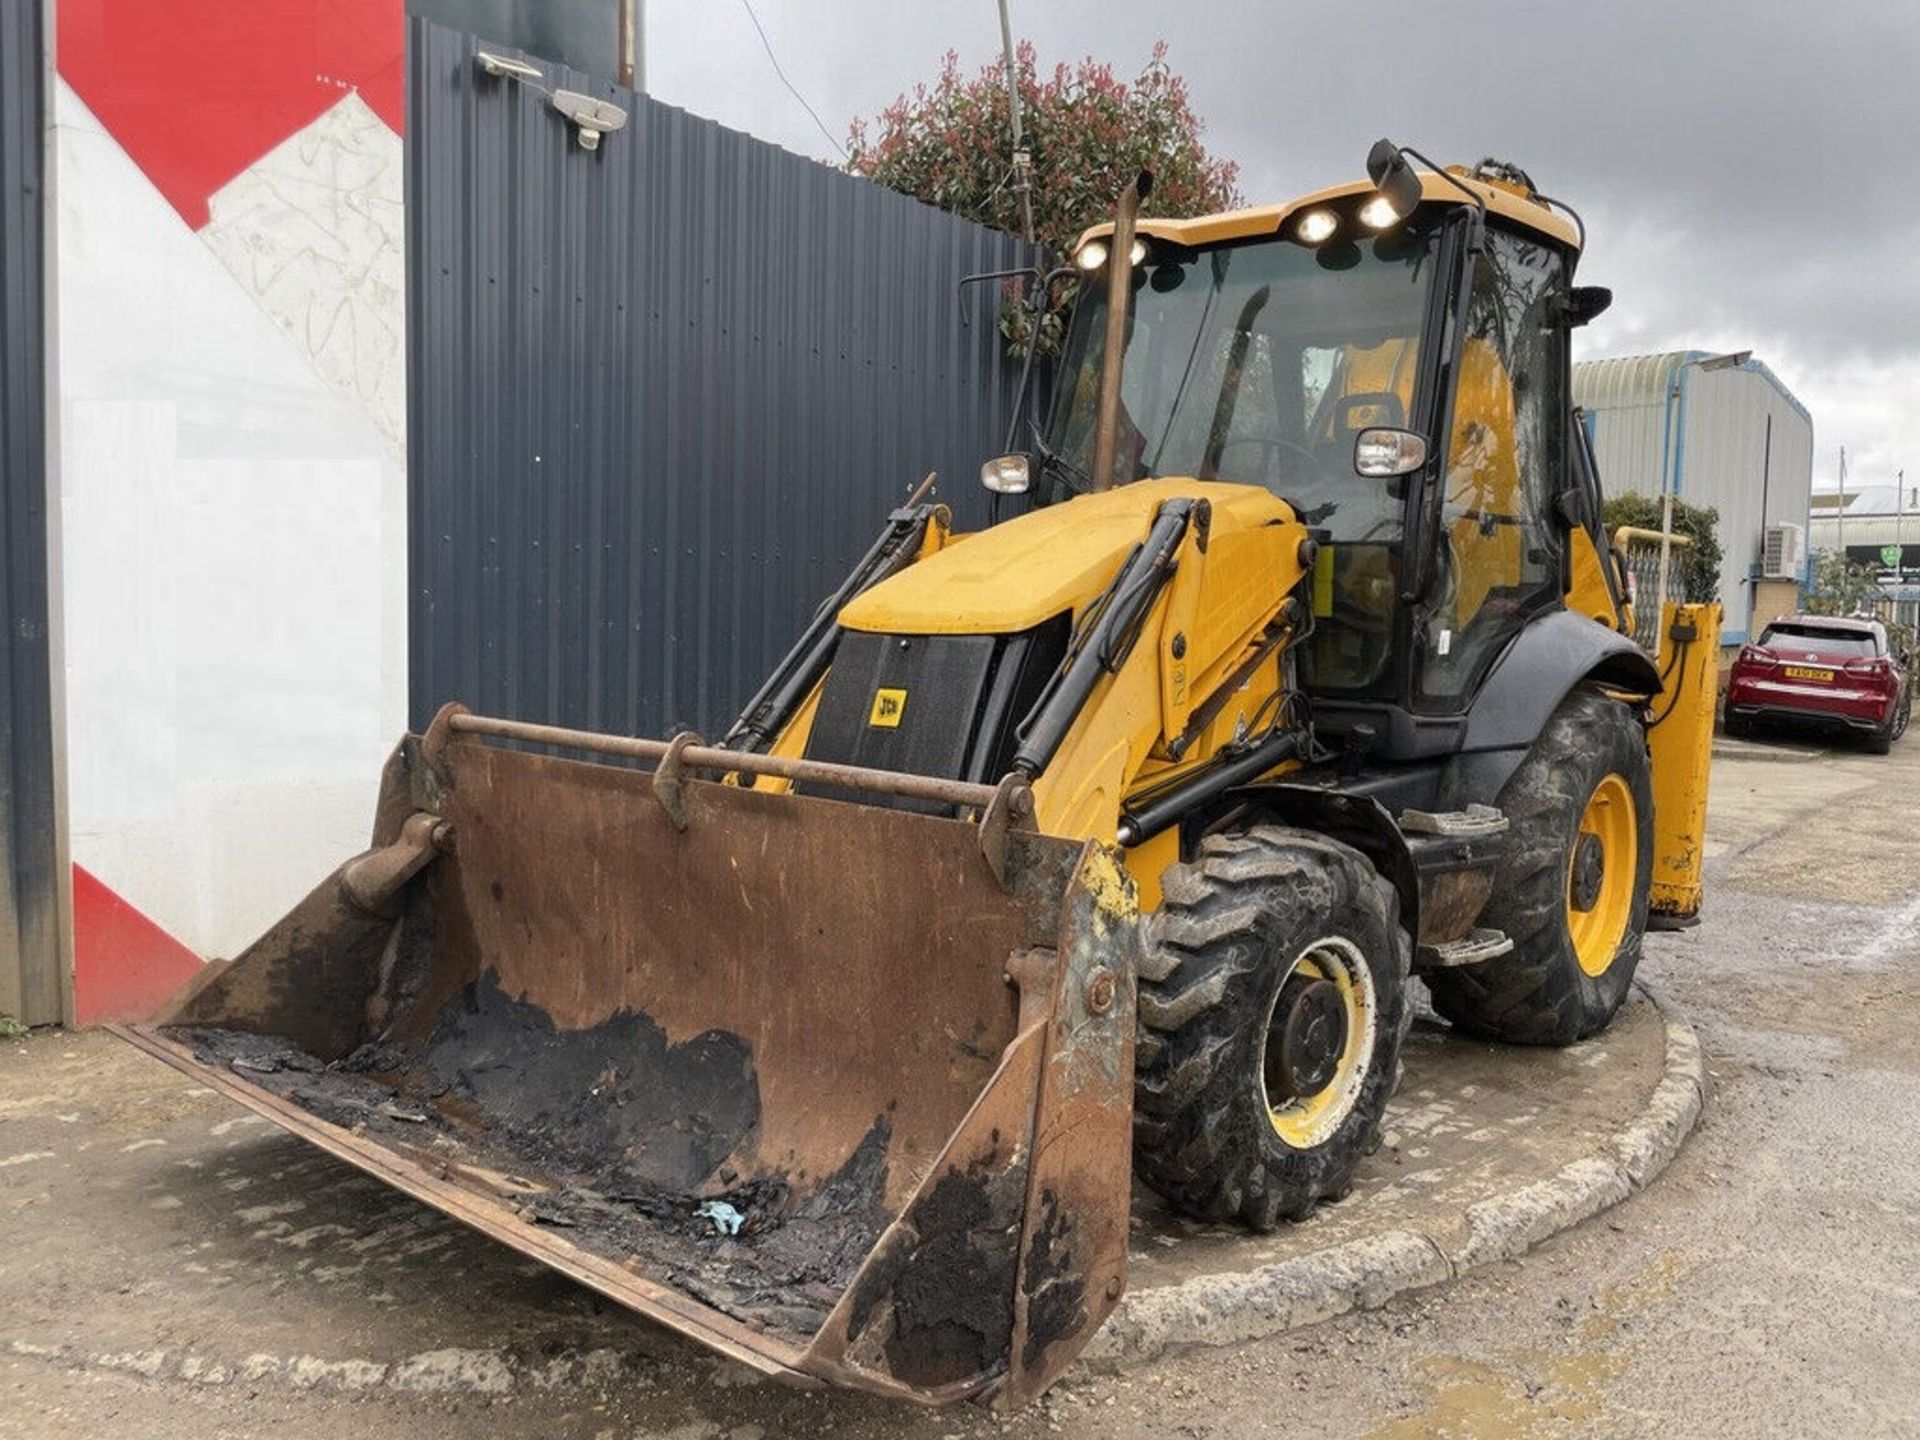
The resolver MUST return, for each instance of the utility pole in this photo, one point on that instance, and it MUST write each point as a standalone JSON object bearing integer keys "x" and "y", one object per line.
{"x": 1022, "y": 160}
{"x": 1900, "y": 526}
{"x": 1840, "y": 524}
{"x": 633, "y": 44}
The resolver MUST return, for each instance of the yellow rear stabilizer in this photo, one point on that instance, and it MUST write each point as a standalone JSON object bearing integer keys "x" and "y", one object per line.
{"x": 1680, "y": 742}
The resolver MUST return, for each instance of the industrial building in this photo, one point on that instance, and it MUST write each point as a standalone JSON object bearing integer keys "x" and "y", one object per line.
{"x": 1879, "y": 527}
{"x": 1719, "y": 431}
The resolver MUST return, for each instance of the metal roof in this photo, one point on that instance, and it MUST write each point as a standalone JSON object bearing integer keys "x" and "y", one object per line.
{"x": 1627, "y": 380}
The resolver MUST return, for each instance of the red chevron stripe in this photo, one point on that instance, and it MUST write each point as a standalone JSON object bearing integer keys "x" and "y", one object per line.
{"x": 197, "y": 90}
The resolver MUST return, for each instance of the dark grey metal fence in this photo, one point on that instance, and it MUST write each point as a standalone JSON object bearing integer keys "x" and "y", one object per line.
{"x": 663, "y": 394}
{"x": 30, "y": 952}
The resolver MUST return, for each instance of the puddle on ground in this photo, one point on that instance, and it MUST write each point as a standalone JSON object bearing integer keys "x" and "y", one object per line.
{"x": 1527, "y": 1393}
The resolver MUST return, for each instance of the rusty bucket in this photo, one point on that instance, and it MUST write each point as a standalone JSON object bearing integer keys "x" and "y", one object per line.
{"x": 839, "y": 1089}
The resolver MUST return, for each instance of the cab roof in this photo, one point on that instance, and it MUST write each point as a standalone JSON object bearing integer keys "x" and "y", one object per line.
{"x": 1509, "y": 202}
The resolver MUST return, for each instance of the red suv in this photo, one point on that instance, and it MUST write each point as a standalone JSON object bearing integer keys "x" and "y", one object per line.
{"x": 1819, "y": 670}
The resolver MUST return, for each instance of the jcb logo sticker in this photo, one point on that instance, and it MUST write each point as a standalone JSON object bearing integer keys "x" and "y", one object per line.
{"x": 888, "y": 707}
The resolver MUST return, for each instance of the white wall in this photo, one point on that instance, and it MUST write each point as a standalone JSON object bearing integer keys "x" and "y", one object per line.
{"x": 233, "y": 529}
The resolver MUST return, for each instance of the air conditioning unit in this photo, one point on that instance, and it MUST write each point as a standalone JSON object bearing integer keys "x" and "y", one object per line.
{"x": 1782, "y": 548}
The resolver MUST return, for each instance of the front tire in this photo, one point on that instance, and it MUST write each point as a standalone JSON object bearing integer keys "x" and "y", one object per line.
{"x": 1573, "y": 895}
{"x": 1273, "y": 1004}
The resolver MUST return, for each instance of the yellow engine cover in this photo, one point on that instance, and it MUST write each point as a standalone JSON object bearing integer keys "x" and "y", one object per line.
{"x": 1202, "y": 642}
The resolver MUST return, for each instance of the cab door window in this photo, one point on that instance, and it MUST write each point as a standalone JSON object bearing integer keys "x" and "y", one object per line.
{"x": 1499, "y": 545}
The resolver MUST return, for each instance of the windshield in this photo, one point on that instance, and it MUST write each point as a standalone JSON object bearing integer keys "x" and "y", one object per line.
{"x": 1822, "y": 639}
{"x": 1255, "y": 363}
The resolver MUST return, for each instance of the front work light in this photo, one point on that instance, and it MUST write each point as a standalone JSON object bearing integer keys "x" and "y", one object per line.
{"x": 1378, "y": 213}
{"x": 1092, "y": 255}
{"x": 1316, "y": 226}
{"x": 1008, "y": 474}
{"x": 1382, "y": 453}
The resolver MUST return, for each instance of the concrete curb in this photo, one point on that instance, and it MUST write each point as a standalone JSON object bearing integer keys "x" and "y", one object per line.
{"x": 1227, "y": 1308}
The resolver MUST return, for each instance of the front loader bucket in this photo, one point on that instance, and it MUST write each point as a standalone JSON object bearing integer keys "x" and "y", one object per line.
{"x": 841, "y": 1091}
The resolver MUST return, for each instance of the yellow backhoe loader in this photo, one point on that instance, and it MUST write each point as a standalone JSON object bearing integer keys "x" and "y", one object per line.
{"x": 1102, "y": 843}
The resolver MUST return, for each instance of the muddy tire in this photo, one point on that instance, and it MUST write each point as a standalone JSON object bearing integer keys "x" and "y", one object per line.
{"x": 1273, "y": 1004}
{"x": 1573, "y": 896}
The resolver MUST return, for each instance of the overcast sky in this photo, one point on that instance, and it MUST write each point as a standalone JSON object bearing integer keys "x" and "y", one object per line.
{"x": 1747, "y": 170}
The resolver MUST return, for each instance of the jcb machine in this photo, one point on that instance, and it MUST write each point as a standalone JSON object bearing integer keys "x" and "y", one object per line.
{"x": 1102, "y": 843}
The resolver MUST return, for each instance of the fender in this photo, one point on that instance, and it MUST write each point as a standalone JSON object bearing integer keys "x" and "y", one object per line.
{"x": 1544, "y": 662}
{"x": 1538, "y": 671}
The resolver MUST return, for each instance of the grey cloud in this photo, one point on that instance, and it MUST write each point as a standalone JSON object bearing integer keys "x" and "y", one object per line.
{"x": 1746, "y": 168}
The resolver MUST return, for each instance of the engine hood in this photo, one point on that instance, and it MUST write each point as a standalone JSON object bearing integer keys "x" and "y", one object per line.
{"x": 1035, "y": 566}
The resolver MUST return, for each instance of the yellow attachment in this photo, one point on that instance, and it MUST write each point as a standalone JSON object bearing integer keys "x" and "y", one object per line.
{"x": 1608, "y": 822}
{"x": 1058, "y": 560}
{"x": 1680, "y": 745}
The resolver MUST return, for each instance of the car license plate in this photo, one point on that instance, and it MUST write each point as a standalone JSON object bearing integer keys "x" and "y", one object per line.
{"x": 1807, "y": 672}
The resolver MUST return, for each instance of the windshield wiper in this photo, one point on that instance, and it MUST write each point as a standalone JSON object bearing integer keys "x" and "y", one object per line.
{"x": 1077, "y": 479}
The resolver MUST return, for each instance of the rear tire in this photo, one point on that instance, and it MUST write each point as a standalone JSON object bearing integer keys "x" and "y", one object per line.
{"x": 1567, "y": 975}
{"x": 1738, "y": 727}
{"x": 1273, "y": 1004}
{"x": 1880, "y": 742}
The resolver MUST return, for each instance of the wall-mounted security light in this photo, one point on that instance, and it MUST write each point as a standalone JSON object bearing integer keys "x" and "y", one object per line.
{"x": 590, "y": 118}
{"x": 501, "y": 67}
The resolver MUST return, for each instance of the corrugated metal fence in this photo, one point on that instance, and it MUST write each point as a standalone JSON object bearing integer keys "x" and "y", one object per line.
{"x": 30, "y": 982}
{"x": 663, "y": 394}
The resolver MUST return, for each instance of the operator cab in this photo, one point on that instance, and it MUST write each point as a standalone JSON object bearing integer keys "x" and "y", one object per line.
{"x": 1262, "y": 347}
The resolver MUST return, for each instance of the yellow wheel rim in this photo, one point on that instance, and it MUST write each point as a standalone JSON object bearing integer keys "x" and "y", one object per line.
{"x": 1304, "y": 1121}
{"x": 1600, "y": 875}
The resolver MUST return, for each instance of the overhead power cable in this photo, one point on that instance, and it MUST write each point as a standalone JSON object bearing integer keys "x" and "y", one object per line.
{"x": 767, "y": 44}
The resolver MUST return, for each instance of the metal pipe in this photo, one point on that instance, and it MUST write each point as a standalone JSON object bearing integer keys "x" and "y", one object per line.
{"x": 1632, "y": 534}
{"x": 712, "y": 758}
{"x": 633, "y": 45}
{"x": 1119, "y": 295}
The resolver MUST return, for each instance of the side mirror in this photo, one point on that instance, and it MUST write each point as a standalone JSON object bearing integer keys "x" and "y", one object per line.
{"x": 1393, "y": 177}
{"x": 1006, "y": 475}
{"x": 1587, "y": 303}
{"x": 1382, "y": 454}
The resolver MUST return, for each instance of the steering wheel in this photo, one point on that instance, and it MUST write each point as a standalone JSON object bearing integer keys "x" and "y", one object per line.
{"x": 1271, "y": 447}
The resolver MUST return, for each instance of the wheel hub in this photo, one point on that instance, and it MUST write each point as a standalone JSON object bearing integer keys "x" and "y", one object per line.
{"x": 1589, "y": 870}
{"x": 1308, "y": 1037}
